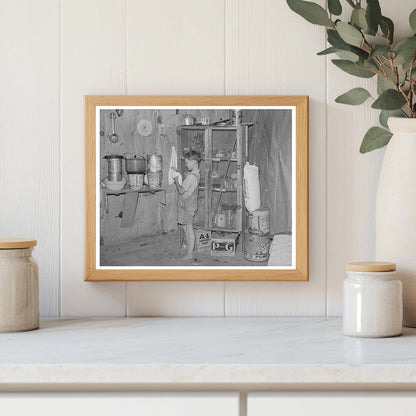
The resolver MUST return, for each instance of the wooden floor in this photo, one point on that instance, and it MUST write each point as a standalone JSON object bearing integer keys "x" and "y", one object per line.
{"x": 163, "y": 250}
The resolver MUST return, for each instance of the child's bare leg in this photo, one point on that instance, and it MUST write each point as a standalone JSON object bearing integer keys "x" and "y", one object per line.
{"x": 182, "y": 239}
{"x": 190, "y": 240}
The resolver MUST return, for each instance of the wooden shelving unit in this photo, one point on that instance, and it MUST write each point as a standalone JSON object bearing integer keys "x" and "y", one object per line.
{"x": 224, "y": 151}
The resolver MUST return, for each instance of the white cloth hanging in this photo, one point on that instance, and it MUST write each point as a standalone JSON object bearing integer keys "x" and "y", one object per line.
{"x": 173, "y": 167}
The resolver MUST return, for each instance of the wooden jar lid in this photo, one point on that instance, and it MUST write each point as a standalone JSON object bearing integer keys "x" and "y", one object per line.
{"x": 11, "y": 243}
{"x": 371, "y": 266}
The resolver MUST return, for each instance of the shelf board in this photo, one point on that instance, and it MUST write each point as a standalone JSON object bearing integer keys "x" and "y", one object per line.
{"x": 221, "y": 159}
{"x": 215, "y": 127}
{"x": 202, "y": 188}
{"x": 215, "y": 159}
{"x": 127, "y": 190}
{"x": 224, "y": 230}
{"x": 200, "y": 226}
{"x": 224, "y": 190}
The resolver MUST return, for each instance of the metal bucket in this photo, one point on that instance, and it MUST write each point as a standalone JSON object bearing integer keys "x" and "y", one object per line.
{"x": 114, "y": 167}
{"x": 135, "y": 164}
{"x": 259, "y": 221}
{"x": 154, "y": 179}
{"x": 136, "y": 181}
{"x": 256, "y": 247}
{"x": 154, "y": 163}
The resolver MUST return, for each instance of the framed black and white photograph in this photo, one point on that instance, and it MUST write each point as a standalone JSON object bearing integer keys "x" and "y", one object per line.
{"x": 196, "y": 188}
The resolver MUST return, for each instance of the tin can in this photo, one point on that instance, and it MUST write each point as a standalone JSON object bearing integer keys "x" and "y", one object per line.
{"x": 154, "y": 163}
{"x": 236, "y": 117}
{"x": 136, "y": 181}
{"x": 259, "y": 221}
{"x": 256, "y": 247}
{"x": 220, "y": 220}
{"x": 154, "y": 180}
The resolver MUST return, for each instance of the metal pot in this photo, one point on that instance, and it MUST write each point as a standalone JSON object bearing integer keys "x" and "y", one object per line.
{"x": 188, "y": 120}
{"x": 135, "y": 164}
{"x": 154, "y": 163}
{"x": 114, "y": 167}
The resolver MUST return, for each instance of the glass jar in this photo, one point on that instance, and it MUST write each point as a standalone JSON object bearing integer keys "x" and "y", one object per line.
{"x": 372, "y": 300}
{"x": 19, "y": 286}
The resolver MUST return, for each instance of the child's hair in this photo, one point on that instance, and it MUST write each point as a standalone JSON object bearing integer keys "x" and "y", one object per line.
{"x": 193, "y": 155}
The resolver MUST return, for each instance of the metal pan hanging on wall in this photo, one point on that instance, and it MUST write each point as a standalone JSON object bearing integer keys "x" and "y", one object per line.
{"x": 144, "y": 128}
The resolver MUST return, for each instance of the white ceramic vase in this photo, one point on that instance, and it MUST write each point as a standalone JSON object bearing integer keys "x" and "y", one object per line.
{"x": 396, "y": 210}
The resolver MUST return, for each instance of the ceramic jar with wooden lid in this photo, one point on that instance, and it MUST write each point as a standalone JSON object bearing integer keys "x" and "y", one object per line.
{"x": 19, "y": 286}
{"x": 372, "y": 300}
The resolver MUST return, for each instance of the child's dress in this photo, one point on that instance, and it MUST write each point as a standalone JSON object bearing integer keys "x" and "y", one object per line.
{"x": 187, "y": 206}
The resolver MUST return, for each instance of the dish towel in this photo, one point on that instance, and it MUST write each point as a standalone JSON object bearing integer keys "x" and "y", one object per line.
{"x": 173, "y": 167}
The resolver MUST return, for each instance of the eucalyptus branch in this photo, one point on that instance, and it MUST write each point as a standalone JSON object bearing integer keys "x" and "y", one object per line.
{"x": 384, "y": 73}
{"x": 368, "y": 35}
{"x": 406, "y": 97}
{"x": 366, "y": 43}
{"x": 395, "y": 71}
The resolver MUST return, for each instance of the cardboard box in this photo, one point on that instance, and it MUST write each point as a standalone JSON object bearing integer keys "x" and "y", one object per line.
{"x": 203, "y": 241}
{"x": 224, "y": 245}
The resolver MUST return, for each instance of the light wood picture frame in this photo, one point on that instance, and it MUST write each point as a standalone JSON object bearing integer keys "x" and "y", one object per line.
{"x": 160, "y": 118}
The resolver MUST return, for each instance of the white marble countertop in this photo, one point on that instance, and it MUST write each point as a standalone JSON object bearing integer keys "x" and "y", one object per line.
{"x": 204, "y": 351}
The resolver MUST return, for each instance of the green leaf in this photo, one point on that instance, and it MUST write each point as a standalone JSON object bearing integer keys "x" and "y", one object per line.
{"x": 381, "y": 50}
{"x": 375, "y": 138}
{"x": 349, "y": 34}
{"x": 327, "y": 51}
{"x": 373, "y": 15}
{"x": 358, "y": 18}
{"x": 352, "y": 68}
{"x": 347, "y": 55}
{"x": 336, "y": 41}
{"x": 383, "y": 84}
{"x": 370, "y": 65}
{"x": 412, "y": 20}
{"x": 334, "y": 7}
{"x": 386, "y": 114}
{"x": 355, "y": 96}
{"x": 311, "y": 12}
{"x": 405, "y": 50}
{"x": 387, "y": 27}
{"x": 389, "y": 100}
{"x": 350, "y": 56}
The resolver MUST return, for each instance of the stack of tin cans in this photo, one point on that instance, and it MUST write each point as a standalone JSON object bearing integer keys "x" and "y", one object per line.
{"x": 257, "y": 236}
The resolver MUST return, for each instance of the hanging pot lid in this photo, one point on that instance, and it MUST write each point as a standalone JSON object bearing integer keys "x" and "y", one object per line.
{"x": 144, "y": 128}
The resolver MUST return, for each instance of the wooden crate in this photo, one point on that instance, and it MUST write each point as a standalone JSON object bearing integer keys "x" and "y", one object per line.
{"x": 203, "y": 241}
{"x": 224, "y": 245}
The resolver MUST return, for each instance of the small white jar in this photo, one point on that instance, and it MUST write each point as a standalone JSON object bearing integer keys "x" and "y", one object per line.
{"x": 19, "y": 286}
{"x": 372, "y": 300}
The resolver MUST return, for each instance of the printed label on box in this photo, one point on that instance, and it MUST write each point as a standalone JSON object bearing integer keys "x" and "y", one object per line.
{"x": 203, "y": 240}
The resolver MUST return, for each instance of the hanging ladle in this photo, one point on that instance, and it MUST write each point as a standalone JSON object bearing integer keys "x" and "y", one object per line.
{"x": 113, "y": 137}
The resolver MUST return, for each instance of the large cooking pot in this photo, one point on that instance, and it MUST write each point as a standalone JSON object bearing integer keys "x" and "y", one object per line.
{"x": 135, "y": 164}
{"x": 114, "y": 167}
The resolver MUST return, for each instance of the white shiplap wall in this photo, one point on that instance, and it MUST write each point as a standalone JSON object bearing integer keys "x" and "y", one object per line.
{"x": 54, "y": 52}
{"x": 30, "y": 134}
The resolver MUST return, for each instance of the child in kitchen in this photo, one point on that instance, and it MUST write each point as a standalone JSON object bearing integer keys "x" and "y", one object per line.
{"x": 188, "y": 199}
